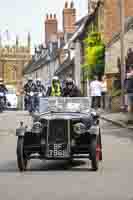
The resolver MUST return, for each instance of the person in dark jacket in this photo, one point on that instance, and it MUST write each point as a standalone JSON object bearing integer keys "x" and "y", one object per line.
{"x": 3, "y": 89}
{"x": 129, "y": 91}
{"x": 71, "y": 90}
{"x": 30, "y": 86}
{"x": 2, "y": 86}
{"x": 40, "y": 87}
{"x": 55, "y": 89}
{"x": 40, "y": 91}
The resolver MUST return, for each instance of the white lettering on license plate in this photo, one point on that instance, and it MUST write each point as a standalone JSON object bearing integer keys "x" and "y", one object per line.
{"x": 57, "y": 150}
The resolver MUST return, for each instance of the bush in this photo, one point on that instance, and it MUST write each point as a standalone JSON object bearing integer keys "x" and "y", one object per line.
{"x": 115, "y": 93}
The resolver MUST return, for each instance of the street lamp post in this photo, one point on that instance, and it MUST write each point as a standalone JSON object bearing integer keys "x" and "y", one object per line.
{"x": 122, "y": 33}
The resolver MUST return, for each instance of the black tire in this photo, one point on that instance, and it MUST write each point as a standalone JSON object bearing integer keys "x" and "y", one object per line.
{"x": 21, "y": 158}
{"x": 1, "y": 106}
{"x": 71, "y": 161}
{"x": 93, "y": 153}
{"x": 100, "y": 143}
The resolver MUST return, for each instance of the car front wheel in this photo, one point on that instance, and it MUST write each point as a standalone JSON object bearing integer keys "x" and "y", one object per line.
{"x": 95, "y": 155}
{"x": 21, "y": 158}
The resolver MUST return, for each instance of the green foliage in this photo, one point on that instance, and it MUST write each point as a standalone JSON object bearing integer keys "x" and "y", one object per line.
{"x": 115, "y": 92}
{"x": 94, "y": 54}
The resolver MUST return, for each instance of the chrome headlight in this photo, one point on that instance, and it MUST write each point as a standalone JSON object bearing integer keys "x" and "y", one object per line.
{"x": 79, "y": 128}
{"x": 37, "y": 127}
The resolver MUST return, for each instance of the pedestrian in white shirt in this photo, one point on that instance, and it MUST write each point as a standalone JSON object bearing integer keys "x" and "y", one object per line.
{"x": 104, "y": 91}
{"x": 96, "y": 93}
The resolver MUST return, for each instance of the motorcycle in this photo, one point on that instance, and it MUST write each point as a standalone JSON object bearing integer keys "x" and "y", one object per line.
{"x": 2, "y": 102}
{"x": 33, "y": 101}
{"x": 30, "y": 102}
{"x": 38, "y": 95}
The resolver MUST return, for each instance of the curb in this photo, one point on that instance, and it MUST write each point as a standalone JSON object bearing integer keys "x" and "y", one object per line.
{"x": 120, "y": 124}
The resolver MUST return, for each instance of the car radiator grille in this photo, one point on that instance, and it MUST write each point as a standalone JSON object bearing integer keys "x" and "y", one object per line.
{"x": 58, "y": 131}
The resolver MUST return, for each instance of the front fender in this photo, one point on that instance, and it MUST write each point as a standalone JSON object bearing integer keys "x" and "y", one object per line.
{"x": 20, "y": 131}
{"x": 94, "y": 130}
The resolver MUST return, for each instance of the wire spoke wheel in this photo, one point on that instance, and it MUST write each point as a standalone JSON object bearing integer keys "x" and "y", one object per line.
{"x": 95, "y": 154}
{"x": 21, "y": 158}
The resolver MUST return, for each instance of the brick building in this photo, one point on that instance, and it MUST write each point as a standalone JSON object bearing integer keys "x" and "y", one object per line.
{"x": 69, "y": 18}
{"x": 52, "y": 34}
{"x": 112, "y": 16}
{"x": 51, "y": 28}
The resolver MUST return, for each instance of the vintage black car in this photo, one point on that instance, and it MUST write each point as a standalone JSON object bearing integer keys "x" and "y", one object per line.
{"x": 64, "y": 129}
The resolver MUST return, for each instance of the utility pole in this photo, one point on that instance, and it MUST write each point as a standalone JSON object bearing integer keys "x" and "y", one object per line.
{"x": 122, "y": 33}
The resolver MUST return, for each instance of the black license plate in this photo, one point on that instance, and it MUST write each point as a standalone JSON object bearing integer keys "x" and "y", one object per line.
{"x": 58, "y": 150}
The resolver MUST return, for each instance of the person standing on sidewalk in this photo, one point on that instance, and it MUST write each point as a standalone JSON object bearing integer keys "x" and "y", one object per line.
{"x": 104, "y": 92}
{"x": 129, "y": 90}
{"x": 96, "y": 93}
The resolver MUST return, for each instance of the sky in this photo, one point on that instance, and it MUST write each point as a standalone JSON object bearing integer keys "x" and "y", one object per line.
{"x": 20, "y": 17}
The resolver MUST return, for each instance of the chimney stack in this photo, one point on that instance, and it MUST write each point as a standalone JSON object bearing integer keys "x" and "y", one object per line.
{"x": 51, "y": 28}
{"x": 69, "y": 18}
{"x": 66, "y": 4}
{"x": 47, "y": 17}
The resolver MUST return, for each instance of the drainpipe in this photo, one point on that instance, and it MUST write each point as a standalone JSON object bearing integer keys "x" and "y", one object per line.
{"x": 121, "y": 5}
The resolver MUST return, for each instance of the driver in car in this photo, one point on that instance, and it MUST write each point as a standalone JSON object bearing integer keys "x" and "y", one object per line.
{"x": 71, "y": 90}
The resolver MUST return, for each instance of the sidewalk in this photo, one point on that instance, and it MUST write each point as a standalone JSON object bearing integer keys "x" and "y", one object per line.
{"x": 118, "y": 119}
{"x": 10, "y": 120}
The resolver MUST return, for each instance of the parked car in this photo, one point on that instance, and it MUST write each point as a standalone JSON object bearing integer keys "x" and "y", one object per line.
{"x": 65, "y": 129}
{"x": 12, "y": 100}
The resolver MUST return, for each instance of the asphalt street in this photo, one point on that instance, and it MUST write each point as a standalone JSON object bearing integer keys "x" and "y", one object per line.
{"x": 61, "y": 181}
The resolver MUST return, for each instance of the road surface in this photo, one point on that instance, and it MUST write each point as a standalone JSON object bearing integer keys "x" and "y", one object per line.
{"x": 58, "y": 180}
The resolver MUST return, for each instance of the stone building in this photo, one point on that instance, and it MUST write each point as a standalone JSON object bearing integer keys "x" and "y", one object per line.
{"x": 43, "y": 65}
{"x": 109, "y": 21}
{"x": 45, "y": 62}
{"x": 12, "y": 62}
{"x": 74, "y": 48}
{"x": 111, "y": 28}
{"x": 113, "y": 51}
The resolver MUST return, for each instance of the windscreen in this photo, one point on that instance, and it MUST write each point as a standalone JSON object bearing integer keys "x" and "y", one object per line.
{"x": 60, "y": 104}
